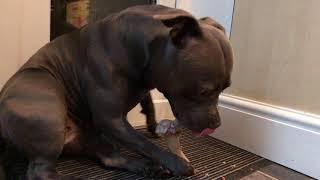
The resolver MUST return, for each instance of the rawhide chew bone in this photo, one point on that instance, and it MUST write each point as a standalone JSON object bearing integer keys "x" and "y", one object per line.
{"x": 171, "y": 132}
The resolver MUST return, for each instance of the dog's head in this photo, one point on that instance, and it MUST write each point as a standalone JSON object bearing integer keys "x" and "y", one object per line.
{"x": 197, "y": 67}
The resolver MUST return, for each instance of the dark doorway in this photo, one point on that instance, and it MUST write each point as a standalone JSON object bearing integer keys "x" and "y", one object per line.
{"x": 67, "y": 15}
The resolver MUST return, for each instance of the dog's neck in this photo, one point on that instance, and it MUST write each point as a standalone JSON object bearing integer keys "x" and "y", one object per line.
{"x": 148, "y": 51}
{"x": 161, "y": 63}
{"x": 150, "y": 48}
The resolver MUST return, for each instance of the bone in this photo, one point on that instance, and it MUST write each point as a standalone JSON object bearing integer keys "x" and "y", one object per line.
{"x": 170, "y": 130}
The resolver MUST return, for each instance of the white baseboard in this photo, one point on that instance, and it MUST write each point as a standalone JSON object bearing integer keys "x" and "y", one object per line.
{"x": 290, "y": 138}
{"x": 285, "y": 136}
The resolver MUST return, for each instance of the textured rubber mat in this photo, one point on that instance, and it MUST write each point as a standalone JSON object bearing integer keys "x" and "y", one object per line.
{"x": 211, "y": 158}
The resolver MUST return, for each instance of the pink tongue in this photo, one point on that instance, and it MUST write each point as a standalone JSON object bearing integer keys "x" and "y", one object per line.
{"x": 206, "y": 132}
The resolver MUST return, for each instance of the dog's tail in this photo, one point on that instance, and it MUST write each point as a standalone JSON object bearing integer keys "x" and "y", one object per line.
{"x": 10, "y": 157}
{"x": 3, "y": 148}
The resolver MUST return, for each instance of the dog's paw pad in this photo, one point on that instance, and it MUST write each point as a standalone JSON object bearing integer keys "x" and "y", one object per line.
{"x": 156, "y": 171}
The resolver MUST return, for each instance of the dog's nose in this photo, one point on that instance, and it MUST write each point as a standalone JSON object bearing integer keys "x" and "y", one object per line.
{"x": 214, "y": 116}
{"x": 218, "y": 123}
{"x": 214, "y": 124}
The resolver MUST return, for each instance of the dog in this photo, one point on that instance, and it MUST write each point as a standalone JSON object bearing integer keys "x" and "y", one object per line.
{"x": 72, "y": 96}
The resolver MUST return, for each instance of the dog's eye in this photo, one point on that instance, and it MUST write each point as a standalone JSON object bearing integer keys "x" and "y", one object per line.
{"x": 206, "y": 92}
{"x": 227, "y": 85}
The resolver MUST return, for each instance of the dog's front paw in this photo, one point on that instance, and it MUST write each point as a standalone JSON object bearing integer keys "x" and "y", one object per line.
{"x": 153, "y": 170}
{"x": 156, "y": 171}
{"x": 179, "y": 166}
{"x": 71, "y": 178}
{"x": 182, "y": 168}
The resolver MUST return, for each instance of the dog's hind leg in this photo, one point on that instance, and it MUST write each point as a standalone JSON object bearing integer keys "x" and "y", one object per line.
{"x": 148, "y": 109}
{"x": 33, "y": 119}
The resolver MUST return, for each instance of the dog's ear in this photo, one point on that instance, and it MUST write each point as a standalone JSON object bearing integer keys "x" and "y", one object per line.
{"x": 183, "y": 26}
{"x": 211, "y": 22}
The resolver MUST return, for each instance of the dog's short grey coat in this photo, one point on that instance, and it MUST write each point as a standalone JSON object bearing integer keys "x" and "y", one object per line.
{"x": 73, "y": 95}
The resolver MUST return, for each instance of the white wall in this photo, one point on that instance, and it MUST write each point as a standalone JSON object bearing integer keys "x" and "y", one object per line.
{"x": 276, "y": 50}
{"x": 25, "y": 27}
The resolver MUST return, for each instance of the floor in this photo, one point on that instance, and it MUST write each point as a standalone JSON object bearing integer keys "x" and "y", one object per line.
{"x": 211, "y": 158}
{"x": 266, "y": 170}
